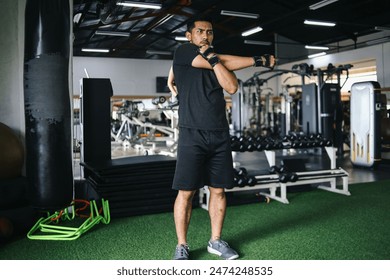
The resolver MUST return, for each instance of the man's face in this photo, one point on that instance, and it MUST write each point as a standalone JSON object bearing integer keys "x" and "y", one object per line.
{"x": 202, "y": 34}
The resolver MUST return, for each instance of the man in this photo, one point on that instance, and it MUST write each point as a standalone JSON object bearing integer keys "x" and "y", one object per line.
{"x": 204, "y": 155}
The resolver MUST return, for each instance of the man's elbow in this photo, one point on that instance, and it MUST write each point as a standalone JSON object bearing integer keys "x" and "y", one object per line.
{"x": 232, "y": 89}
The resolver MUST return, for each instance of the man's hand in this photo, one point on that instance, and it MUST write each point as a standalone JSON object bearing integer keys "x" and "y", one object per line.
{"x": 207, "y": 52}
{"x": 267, "y": 60}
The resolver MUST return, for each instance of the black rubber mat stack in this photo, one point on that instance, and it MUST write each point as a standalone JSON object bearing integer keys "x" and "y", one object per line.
{"x": 134, "y": 185}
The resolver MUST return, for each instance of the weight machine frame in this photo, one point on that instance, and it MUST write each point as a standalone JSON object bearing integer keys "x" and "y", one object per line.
{"x": 148, "y": 145}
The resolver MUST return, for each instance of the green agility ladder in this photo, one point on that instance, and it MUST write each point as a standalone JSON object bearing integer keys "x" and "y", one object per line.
{"x": 49, "y": 228}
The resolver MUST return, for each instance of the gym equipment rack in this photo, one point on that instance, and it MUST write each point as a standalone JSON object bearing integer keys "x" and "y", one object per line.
{"x": 272, "y": 181}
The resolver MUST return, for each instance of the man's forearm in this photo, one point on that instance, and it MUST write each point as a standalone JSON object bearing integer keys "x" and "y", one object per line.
{"x": 233, "y": 62}
{"x": 227, "y": 79}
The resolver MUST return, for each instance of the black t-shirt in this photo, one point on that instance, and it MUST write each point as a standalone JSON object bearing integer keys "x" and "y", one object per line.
{"x": 202, "y": 103}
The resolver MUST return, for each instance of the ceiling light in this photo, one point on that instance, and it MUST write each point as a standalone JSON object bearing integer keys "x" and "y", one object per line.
{"x": 321, "y": 23}
{"x": 382, "y": 28}
{"x": 316, "y": 48}
{"x": 112, "y": 33}
{"x": 251, "y": 31}
{"x": 321, "y": 4}
{"x": 77, "y": 18}
{"x": 165, "y": 19}
{"x": 316, "y": 55}
{"x": 253, "y": 42}
{"x": 158, "y": 52}
{"x": 239, "y": 14}
{"x": 95, "y": 50}
{"x": 181, "y": 38}
{"x": 140, "y": 5}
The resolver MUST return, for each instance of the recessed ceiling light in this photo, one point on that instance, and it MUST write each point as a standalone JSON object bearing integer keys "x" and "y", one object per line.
{"x": 112, "y": 33}
{"x": 181, "y": 38}
{"x": 95, "y": 50}
{"x": 254, "y": 42}
{"x": 316, "y": 48}
{"x": 382, "y": 27}
{"x": 321, "y": 4}
{"x": 251, "y": 31}
{"x": 158, "y": 52}
{"x": 140, "y": 5}
{"x": 316, "y": 55}
{"x": 239, "y": 14}
{"x": 320, "y": 23}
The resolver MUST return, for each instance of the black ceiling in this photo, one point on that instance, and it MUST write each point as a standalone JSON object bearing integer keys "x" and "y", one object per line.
{"x": 155, "y": 30}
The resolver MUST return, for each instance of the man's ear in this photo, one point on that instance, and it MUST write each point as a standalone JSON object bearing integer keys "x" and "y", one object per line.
{"x": 188, "y": 36}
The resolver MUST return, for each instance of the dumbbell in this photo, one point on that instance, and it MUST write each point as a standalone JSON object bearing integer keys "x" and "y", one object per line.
{"x": 284, "y": 176}
{"x": 242, "y": 144}
{"x": 251, "y": 181}
{"x": 294, "y": 144}
{"x": 303, "y": 138}
{"x": 246, "y": 181}
{"x": 248, "y": 144}
{"x": 240, "y": 178}
{"x": 292, "y": 137}
{"x": 274, "y": 145}
{"x": 315, "y": 136}
{"x": 303, "y": 144}
{"x": 328, "y": 143}
{"x": 235, "y": 180}
{"x": 251, "y": 144}
{"x": 325, "y": 142}
{"x": 276, "y": 169}
{"x": 288, "y": 177}
{"x": 241, "y": 171}
{"x": 242, "y": 181}
{"x": 260, "y": 145}
{"x": 285, "y": 138}
{"x": 313, "y": 143}
{"x": 259, "y": 139}
{"x": 270, "y": 144}
{"x": 235, "y": 144}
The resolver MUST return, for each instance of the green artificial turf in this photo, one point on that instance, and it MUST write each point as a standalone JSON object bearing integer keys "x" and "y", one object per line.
{"x": 316, "y": 225}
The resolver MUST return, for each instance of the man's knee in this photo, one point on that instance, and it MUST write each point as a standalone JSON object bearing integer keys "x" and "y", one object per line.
{"x": 186, "y": 195}
{"x": 217, "y": 192}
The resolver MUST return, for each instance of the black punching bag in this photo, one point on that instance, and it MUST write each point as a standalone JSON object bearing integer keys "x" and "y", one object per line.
{"x": 47, "y": 104}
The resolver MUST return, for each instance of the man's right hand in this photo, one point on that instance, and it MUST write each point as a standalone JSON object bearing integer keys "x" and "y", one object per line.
{"x": 206, "y": 51}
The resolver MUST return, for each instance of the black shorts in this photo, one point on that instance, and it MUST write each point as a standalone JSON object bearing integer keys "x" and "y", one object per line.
{"x": 204, "y": 158}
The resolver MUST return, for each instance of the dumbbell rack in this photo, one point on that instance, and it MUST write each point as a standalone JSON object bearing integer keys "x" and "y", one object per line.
{"x": 272, "y": 182}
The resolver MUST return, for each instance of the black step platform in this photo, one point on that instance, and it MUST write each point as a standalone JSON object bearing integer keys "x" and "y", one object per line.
{"x": 134, "y": 185}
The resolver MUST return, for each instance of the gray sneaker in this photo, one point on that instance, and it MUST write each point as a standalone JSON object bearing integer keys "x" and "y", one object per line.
{"x": 182, "y": 252}
{"x": 221, "y": 248}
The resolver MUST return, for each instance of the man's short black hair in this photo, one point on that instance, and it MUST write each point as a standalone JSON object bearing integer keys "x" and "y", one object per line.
{"x": 191, "y": 22}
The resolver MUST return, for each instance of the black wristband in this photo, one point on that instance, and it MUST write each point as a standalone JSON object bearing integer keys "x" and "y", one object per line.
{"x": 214, "y": 60}
{"x": 258, "y": 61}
{"x": 264, "y": 61}
{"x": 207, "y": 52}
